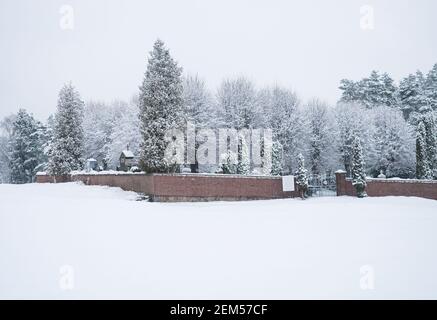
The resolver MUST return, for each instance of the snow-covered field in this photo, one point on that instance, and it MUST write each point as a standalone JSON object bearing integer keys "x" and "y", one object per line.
{"x": 73, "y": 241}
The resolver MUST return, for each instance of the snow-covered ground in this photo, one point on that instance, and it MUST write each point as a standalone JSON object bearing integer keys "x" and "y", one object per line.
{"x": 73, "y": 241}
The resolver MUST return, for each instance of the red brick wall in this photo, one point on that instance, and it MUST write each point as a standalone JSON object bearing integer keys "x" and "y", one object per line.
{"x": 389, "y": 187}
{"x": 52, "y": 179}
{"x": 130, "y": 182}
{"x": 219, "y": 187}
{"x": 189, "y": 187}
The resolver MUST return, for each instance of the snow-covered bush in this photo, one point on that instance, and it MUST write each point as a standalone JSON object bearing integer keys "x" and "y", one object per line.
{"x": 229, "y": 161}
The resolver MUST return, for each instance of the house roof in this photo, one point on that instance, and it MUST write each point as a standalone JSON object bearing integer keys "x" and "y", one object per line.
{"x": 127, "y": 154}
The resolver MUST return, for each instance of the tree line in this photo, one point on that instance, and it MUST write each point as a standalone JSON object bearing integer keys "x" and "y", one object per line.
{"x": 394, "y": 124}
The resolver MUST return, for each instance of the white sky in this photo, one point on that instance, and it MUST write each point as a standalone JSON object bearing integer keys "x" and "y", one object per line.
{"x": 308, "y": 45}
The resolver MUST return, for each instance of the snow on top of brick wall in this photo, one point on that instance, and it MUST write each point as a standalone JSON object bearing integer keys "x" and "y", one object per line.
{"x": 397, "y": 180}
{"x": 220, "y": 175}
{"x": 109, "y": 172}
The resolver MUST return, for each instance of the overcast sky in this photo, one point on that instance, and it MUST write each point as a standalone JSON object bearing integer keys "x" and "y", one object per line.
{"x": 307, "y": 45}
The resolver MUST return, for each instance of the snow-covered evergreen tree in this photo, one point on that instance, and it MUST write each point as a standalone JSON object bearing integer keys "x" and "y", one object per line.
{"x": 160, "y": 104}
{"x": 350, "y": 91}
{"x": 423, "y": 170}
{"x": 426, "y": 146}
{"x": 430, "y": 122}
{"x": 412, "y": 95}
{"x": 389, "y": 93}
{"x": 26, "y": 152}
{"x": 301, "y": 176}
{"x": 277, "y": 151}
{"x": 316, "y": 139}
{"x": 66, "y": 152}
{"x": 358, "y": 167}
{"x": 243, "y": 164}
{"x": 46, "y": 137}
{"x": 373, "y": 88}
{"x": 430, "y": 88}
{"x": 376, "y": 90}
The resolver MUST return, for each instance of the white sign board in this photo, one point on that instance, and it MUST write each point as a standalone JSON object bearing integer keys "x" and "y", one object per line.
{"x": 288, "y": 183}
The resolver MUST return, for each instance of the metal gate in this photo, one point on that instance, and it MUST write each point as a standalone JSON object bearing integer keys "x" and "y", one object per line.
{"x": 322, "y": 185}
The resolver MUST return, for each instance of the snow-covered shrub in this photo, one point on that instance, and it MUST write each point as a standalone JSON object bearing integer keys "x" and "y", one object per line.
{"x": 229, "y": 162}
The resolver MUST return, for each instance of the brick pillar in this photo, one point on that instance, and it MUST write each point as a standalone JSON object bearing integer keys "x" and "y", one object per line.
{"x": 340, "y": 181}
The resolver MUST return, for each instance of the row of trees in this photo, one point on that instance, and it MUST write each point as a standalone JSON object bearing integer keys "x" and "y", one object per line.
{"x": 415, "y": 95}
{"x": 395, "y": 137}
